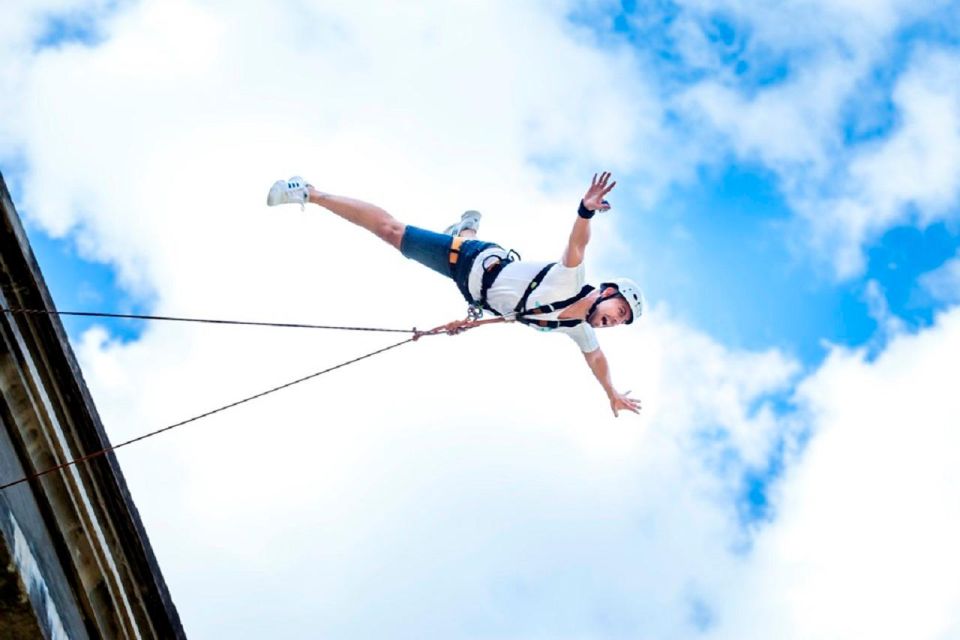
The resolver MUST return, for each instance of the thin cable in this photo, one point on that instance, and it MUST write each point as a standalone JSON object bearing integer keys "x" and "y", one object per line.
{"x": 204, "y": 415}
{"x": 134, "y": 316}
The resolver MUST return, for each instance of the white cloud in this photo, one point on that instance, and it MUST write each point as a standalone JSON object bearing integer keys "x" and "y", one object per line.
{"x": 482, "y": 483}
{"x": 918, "y": 165}
{"x": 353, "y": 105}
{"x": 865, "y": 542}
{"x": 889, "y": 324}
{"x": 782, "y": 126}
{"x": 469, "y": 486}
{"x": 24, "y": 22}
{"x": 504, "y": 502}
{"x": 846, "y": 195}
{"x": 943, "y": 283}
{"x": 911, "y": 176}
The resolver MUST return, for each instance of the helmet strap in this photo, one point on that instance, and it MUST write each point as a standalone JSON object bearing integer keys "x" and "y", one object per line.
{"x": 596, "y": 303}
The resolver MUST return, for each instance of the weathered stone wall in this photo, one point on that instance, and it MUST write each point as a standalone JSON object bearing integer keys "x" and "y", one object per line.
{"x": 17, "y": 619}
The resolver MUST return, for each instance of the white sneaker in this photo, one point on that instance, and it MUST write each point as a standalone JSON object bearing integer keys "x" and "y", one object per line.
{"x": 469, "y": 220}
{"x": 292, "y": 191}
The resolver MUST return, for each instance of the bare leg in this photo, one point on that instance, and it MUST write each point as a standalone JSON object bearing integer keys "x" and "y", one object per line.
{"x": 369, "y": 216}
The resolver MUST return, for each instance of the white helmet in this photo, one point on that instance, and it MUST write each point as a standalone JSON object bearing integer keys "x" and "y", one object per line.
{"x": 631, "y": 293}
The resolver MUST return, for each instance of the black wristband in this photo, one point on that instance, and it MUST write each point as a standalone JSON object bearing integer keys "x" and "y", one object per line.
{"x": 583, "y": 212}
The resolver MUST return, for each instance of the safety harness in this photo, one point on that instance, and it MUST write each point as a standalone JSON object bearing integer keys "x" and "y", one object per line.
{"x": 521, "y": 313}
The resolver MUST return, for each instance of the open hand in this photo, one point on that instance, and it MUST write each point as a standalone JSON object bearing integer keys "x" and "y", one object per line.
{"x": 593, "y": 200}
{"x": 622, "y": 401}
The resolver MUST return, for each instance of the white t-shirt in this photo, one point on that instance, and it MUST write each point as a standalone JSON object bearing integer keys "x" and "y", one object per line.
{"x": 560, "y": 283}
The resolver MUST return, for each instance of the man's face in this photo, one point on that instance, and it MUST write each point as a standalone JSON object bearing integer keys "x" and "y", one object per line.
{"x": 610, "y": 312}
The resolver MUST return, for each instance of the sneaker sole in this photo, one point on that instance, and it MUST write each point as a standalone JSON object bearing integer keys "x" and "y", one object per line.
{"x": 275, "y": 196}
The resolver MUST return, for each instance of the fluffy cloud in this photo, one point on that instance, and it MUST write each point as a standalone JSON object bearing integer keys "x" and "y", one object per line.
{"x": 911, "y": 176}
{"x": 25, "y": 23}
{"x": 865, "y": 543}
{"x": 943, "y": 283}
{"x": 436, "y": 463}
{"x": 469, "y": 486}
{"x": 500, "y": 502}
{"x": 797, "y": 89}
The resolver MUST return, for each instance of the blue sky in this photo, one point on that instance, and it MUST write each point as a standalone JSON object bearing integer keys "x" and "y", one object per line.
{"x": 736, "y": 273}
{"x": 79, "y": 284}
{"x": 788, "y": 174}
{"x": 78, "y": 26}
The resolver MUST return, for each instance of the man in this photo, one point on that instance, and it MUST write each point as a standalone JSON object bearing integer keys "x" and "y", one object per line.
{"x": 546, "y": 296}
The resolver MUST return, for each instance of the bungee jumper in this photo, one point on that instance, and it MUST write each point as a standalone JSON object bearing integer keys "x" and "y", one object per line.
{"x": 549, "y": 296}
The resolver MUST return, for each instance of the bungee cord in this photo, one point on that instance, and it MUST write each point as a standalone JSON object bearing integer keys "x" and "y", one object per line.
{"x": 451, "y": 328}
{"x": 206, "y": 414}
{"x": 251, "y": 323}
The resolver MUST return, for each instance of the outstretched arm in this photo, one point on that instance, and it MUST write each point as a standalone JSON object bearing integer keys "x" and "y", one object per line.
{"x": 593, "y": 201}
{"x": 618, "y": 401}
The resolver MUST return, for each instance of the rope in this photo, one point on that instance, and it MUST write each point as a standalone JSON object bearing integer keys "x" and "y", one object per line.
{"x": 451, "y": 328}
{"x": 134, "y": 316}
{"x": 208, "y": 413}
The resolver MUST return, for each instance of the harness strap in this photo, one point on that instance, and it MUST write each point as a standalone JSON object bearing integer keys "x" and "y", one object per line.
{"x": 525, "y": 316}
{"x": 490, "y": 275}
{"x": 476, "y": 306}
{"x": 562, "y": 304}
{"x": 537, "y": 279}
{"x": 549, "y": 324}
{"x": 455, "y": 251}
{"x": 522, "y": 314}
